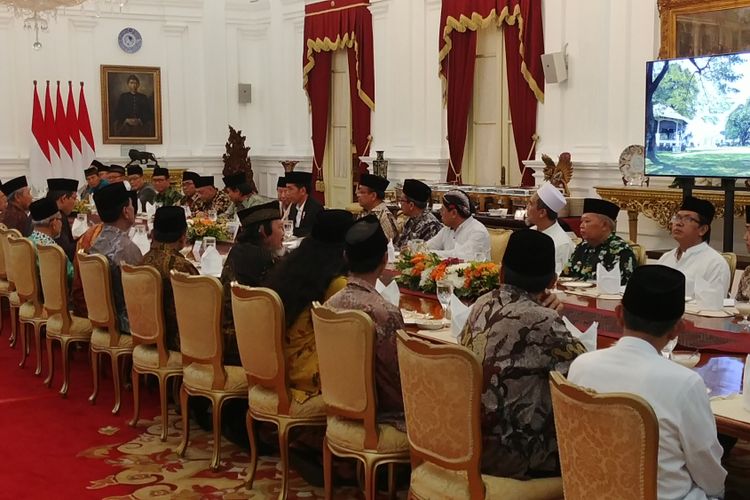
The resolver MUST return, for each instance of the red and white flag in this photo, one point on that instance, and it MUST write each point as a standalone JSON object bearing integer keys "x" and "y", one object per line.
{"x": 51, "y": 131}
{"x": 71, "y": 117}
{"x": 88, "y": 149}
{"x": 39, "y": 153}
{"x": 63, "y": 135}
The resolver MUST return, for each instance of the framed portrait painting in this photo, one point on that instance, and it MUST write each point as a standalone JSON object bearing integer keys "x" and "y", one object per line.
{"x": 131, "y": 105}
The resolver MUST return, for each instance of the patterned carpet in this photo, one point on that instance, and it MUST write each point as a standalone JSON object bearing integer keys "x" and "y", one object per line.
{"x": 153, "y": 468}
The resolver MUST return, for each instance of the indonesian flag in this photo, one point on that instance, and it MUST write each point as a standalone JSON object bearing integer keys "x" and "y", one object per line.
{"x": 88, "y": 150}
{"x": 39, "y": 154}
{"x": 71, "y": 118}
{"x": 63, "y": 135}
{"x": 51, "y": 131}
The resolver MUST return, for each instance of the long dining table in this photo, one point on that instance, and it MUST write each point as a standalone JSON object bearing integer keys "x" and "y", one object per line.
{"x": 715, "y": 348}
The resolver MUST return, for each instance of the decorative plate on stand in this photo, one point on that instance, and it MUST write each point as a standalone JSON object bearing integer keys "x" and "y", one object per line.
{"x": 130, "y": 40}
{"x": 632, "y": 165}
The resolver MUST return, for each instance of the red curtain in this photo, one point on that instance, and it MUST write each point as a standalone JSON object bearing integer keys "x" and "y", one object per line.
{"x": 524, "y": 42}
{"x": 329, "y": 26}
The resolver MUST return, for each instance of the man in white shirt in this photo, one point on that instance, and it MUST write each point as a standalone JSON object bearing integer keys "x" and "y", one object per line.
{"x": 650, "y": 313}
{"x": 541, "y": 214}
{"x": 463, "y": 236}
{"x": 691, "y": 228}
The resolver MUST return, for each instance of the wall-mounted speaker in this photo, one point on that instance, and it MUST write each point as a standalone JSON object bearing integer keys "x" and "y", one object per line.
{"x": 244, "y": 95}
{"x": 555, "y": 67}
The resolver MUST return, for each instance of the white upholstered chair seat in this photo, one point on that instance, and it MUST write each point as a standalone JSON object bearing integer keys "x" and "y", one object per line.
{"x": 79, "y": 327}
{"x": 262, "y": 400}
{"x": 4, "y": 286}
{"x": 100, "y": 339}
{"x": 147, "y": 356}
{"x": 432, "y": 481}
{"x": 350, "y": 434}
{"x": 200, "y": 376}
{"x": 26, "y": 313}
{"x": 15, "y": 300}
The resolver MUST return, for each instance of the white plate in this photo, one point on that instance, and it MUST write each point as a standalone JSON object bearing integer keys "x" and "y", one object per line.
{"x": 577, "y": 284}
{"x": 688, "y": 359}
{"x": 431, "y": 324}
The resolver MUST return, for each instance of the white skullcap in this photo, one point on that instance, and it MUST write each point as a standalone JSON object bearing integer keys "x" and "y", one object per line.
{"x": 551, "y": 197}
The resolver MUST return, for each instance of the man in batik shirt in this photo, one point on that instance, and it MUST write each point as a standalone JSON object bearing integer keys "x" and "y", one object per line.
{"x": 422, "y": 225}
{"x": 190, "y": 193}
{"x": 19, "y": 198}
{"x": 519, "y": 341}
{"x": 47, "y": 221}
{"x": 116, "y": 209}
{"x": 743, "y": 290}
{"x": 211, "y": 198}
{"x": 366, "y": 251}
{"x": 166, "y": 195}
{"x": 370, "y": 195}
{"x": 169, "y": 236}
{"x": 242, "y": 193}
{"x": 600, "y": 244}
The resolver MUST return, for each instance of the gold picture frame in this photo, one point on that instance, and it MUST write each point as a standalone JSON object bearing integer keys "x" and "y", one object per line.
{"x": 703, "y": 27}
{"x": 131, "y": 104}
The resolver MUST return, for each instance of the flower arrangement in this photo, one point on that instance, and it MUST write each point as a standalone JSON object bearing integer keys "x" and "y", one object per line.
{"x": 82, "y": 206}
{"x": 422, "y": 271}
{"x": 200, "y": 228}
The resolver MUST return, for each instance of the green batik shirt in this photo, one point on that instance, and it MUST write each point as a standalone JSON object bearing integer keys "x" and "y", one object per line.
{"x": 582, "y": 264}
{"x": 169, "y": 197}
{"x": 250, "y": 201}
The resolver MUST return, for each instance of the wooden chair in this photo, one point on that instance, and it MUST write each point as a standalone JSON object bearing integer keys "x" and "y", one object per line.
{"x": 106, "y": 337}
{"x": 442, "y": 387}
{"x": 622, "y": 461}
{"x": 731, "y": 259}
{"x": 5, "y": 289}
{"x": 31, "y": 312}
{"x": 61, "y": 325}
{"x": 641, "y": 258}
{"x": 259, "y": 324}
{"x": 198, "y": 301}
{"x": 142, "y": 287}
{"x": 498, "y": 243}
{"x": 345, "y": 345}
{"x": 13, "y": 301}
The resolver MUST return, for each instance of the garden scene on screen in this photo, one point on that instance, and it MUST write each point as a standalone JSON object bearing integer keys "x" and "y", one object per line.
{"x": 698, "y": 116}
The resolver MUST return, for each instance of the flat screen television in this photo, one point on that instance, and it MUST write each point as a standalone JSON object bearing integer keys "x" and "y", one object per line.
{"x": 698, "y": 116}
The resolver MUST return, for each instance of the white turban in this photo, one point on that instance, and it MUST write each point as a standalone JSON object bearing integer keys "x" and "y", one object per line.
{"x": 551, "y": 197}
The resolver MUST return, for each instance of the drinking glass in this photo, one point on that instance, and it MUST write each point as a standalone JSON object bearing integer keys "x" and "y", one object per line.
{"x": 212, "y": 215}
{"x": 744, "y": 310}
{"x": 415, "y": 245}
{"x": 288, "y": 229}
{"x": 444, "y": 293}
{"x": 666, "y": 351}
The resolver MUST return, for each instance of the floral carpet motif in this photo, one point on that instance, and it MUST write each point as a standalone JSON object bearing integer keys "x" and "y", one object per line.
{"x": 154, "y": 469}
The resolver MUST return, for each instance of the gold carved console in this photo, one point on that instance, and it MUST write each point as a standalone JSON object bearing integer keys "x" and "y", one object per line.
{"x": 703, "y": 27}
{"x": 660, "y": 204}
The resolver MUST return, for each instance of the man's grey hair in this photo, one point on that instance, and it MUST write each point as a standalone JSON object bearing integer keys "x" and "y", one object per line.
{"x": 17, "y": 193}
{"x": 607, "y": 221}
{"x": 45, "y": 222}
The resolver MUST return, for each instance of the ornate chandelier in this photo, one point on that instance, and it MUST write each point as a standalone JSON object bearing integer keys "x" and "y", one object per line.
{"x": 36, "y": 13}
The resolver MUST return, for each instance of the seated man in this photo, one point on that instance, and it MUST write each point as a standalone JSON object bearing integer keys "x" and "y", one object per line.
{"x": 370, "y": 195}
{"x": 241, "y": 192}
{"x": 600, "y": 244}
{"x": 19, "y": 198}
{"x": 145, "y": 190}
{"x": 743, "y": 290}
{"x": 166, "y": 195}
{"x": 116, "y": 173}
{"x": 169, "y": 237}
{"x": 415, "y": 204}
{"x": 210, "y": 198}
{"x": 103, "y": 171}
{"x": 64, "y": 193}
{"x": 463, "y": 236}
{"x": 689, "y": 451}
{"x": 47, "y": 221}
{"x": 281, "y": 196}
{"x": 93, "y": 181}
{"x": 115, "y": 206}
{"x": 519, "y": 341}
{"x": 541, "y": 214}
{"x": 366, "y": 250}
{"x": 190, "y": 193}
{"x": 691, "y": 229}
{"x": 256, "y": 250}
{"x": 303, "y": 208}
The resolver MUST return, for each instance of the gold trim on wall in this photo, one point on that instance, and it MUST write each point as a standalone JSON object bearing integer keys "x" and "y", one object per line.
{"x": 670, "y": 10}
